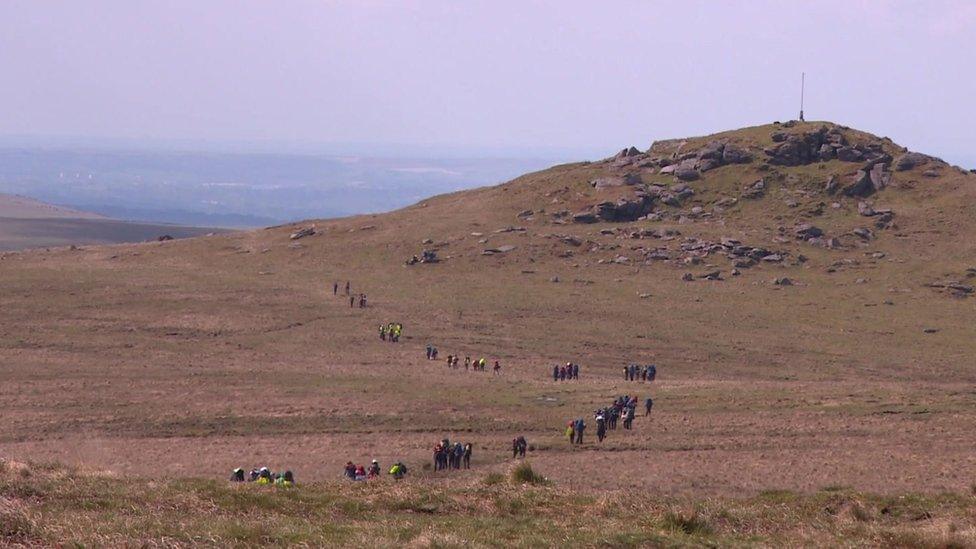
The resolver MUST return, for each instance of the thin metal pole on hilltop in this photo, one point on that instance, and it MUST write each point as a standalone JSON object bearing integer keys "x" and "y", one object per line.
{"x": 803, "y": 77}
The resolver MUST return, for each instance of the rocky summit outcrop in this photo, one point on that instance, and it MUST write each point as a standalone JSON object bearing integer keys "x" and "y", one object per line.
{"x": 821, "y": 145}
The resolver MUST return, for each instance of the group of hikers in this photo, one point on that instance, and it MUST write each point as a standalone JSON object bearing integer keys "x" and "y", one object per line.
{"x": 359, "y": 473}
{"x": 452, "y": 456}
{"x": 478, "y": 365}
{"x": 636, "y": 372}
{"x": 562, "y": 373}
{"x": 391, "y": 332}
{"x": 263, "y": 475}
{"x": 431, "y": 352}
{"x": 353, "y": 298}
{"x": 624, "y": 408}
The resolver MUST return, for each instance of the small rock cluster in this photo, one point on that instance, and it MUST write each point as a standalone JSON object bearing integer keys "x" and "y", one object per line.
{"x": 624, "y": 209}
{"x": 689, "y": 166}
{"x": 953, "y": 288}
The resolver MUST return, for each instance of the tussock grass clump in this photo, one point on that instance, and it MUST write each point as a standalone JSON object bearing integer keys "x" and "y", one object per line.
{"x": 859, "y": 512}
{"x": 494, "y": 479}
{"x": 920, "y": 539}
{"x": 524, "y": 474}
{"x": 15, "y": 524}
{"x": 691, "y": 523}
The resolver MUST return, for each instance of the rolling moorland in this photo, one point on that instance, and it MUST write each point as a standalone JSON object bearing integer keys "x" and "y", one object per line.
{"x": 805, "y": 290}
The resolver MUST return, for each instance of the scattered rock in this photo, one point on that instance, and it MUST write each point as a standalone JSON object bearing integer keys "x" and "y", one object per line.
{"x": 499, "y": 250}
{"x": 910, "y": 160}
{"x": 865, "y": 209}
{"x": 806, "y": 231}
{"x": 166, "y": 237}
{"x": 953, "y": 287}
{"x": 930, "y": 330}
{"x": 686, "y": 170}
{"x": 867, "y": 182}
{"x": 831, "y": 186}
{"x": 584, "y": 217}
{"x": 756, "y": 190}
{"x": 426, "y": 241}
{"x": 712, "y": 275}
{"x": 849, "y": 154}
{"x": 884, "y": 220}
{"x": 734, "y": 155}
{"x": 624, "y": 209}
{"x": 616, "y": 181}
{"x": 783, "y": 281}
{"x": 688, "y": 277}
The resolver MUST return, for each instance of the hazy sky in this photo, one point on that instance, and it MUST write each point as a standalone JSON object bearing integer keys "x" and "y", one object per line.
{"x": 578, "y": 75}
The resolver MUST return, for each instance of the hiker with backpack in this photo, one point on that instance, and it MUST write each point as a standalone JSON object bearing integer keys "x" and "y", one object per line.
{"x": 579, "y": 428}
{"x": 601, "y": 426}
{"x": 467, "y": 455}
{"x": 399, "y": 470}
{"x": 458, "y": 454}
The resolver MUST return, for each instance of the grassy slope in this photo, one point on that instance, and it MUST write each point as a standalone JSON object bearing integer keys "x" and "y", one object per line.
{"x": 46, "y": 504}
{"x": 188, "y": 358}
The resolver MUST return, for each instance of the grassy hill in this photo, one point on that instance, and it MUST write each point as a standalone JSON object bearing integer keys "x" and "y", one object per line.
{"x": 810, "y": 336}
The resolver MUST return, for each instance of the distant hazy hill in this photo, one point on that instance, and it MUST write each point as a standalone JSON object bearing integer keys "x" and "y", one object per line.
{"x": 27, "y": 223}
{"x": 239, "y": 189}
{"x": 21, "y": 207}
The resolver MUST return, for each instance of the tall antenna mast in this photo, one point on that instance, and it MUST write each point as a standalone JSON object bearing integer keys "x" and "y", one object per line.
{"x": 803, "y": 77}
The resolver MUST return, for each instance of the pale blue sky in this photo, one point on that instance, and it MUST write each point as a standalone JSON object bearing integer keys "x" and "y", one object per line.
{"x": 578, "y": 75}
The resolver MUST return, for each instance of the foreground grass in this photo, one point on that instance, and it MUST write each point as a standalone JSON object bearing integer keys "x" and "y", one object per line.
{"x": 46, "y": 504}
